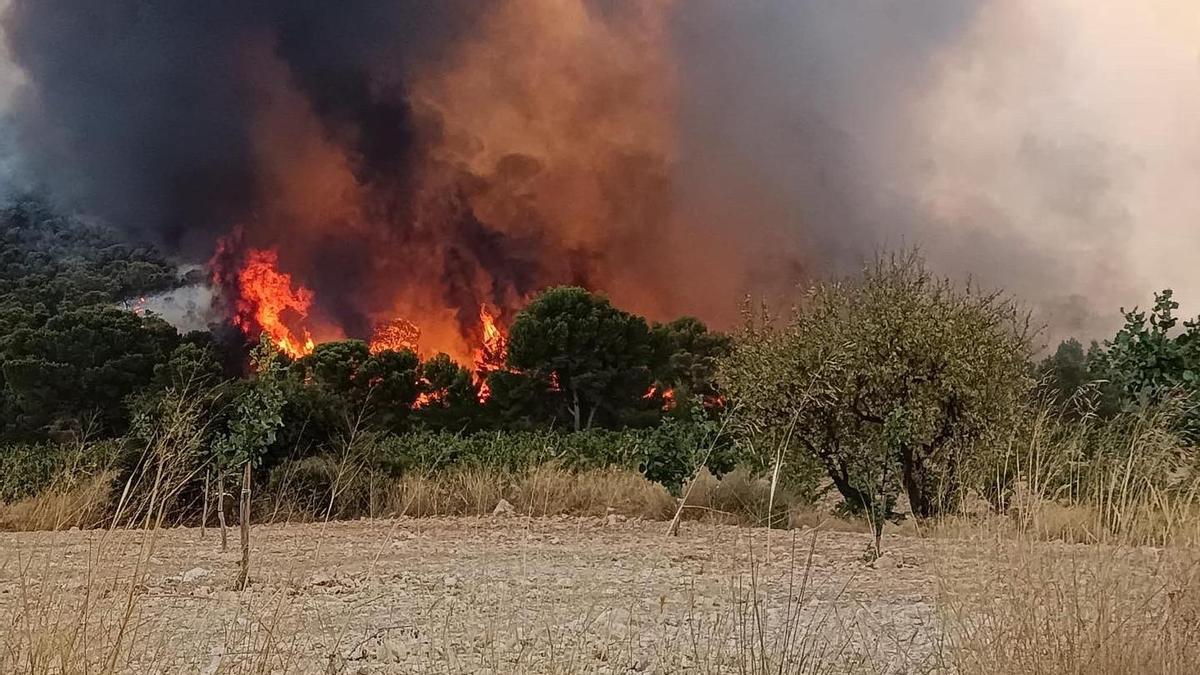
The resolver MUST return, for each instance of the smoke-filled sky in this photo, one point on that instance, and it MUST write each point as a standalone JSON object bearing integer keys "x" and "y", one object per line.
{"x": 674, "y": 155}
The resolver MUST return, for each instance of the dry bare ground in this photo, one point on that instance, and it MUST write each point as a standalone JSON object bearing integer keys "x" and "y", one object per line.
{"x": 596, "y": 595}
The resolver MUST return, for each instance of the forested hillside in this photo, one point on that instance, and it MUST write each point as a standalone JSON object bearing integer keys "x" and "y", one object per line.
{"x": 71, "y": 350}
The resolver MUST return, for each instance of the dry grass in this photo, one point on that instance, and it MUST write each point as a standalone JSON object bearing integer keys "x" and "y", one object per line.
{"x": 1141, "y": 517}
{"x": 1092, "y": 609}
{"x": 83, "y": 504}
{"x": 1033, "y": 608}
{"x": 1097, "y": 600}
{"x": 544, "y": 490}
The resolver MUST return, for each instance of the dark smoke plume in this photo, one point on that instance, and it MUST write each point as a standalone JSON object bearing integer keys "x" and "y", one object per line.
{"x": 141, "y": 112}
{"x": 296, "y": 125}
{"x": 424, "y": 158}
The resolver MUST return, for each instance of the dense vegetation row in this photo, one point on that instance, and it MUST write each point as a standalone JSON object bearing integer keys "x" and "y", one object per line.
{"x": 891, "y": 387}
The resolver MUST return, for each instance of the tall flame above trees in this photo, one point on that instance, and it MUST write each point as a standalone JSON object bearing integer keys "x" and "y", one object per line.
{"x": 266, "y": 299}
{"x": 491, "y": 354}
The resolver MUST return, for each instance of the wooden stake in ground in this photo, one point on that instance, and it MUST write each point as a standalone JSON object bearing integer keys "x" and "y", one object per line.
{"x": 221, "y": 510}
{"x": 204, "y": 505}
{"x": 244, "y": 517}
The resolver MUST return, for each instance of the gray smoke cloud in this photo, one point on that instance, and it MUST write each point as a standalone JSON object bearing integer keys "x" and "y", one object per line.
{"x": 1042, "y": 146}
{"x": 139, "y": 113}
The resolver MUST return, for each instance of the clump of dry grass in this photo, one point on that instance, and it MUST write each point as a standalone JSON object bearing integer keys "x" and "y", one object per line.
{"x": 321, "y": 488}
{"x": 549, "y": 489}
{"x": 740, "y": 497}
{"x": 458, "y": 492}
{"x": 1076, "y": 477}
{"x": 1096, "y": 609}
{"x": 83, "y": 504}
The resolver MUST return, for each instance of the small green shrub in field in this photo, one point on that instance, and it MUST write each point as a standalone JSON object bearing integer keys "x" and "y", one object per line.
{"x": 27, "y": 469}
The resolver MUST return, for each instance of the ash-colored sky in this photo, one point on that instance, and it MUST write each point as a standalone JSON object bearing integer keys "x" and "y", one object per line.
{"x": 1046, "y": 146}
{"x": 1074, "y": 123}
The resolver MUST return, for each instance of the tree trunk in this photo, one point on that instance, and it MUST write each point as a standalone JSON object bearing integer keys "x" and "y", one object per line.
{"x": 575, "y": 411}
{"x": 244, "y": 517}
{"x": 221, "y": 510}
{"x": 919, "y": 500}
{"x": 877, "y": 529}
{"x": 851, "y": 495}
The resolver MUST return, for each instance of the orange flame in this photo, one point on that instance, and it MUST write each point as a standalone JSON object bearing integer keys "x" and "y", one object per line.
{"x": 265, "y": 296}
{"x": 268, "y": 302}
{"x": 428, "y": 398}
{"x": 667, "y": 394}
{"x": 490, "y": 356}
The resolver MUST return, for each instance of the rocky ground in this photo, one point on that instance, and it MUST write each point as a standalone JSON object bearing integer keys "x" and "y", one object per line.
{"x": 498, "y": 594}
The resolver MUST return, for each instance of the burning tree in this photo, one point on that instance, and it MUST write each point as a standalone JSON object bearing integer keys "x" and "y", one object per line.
{"x": 350, "y": 382}
{"x": 686, "y": 359}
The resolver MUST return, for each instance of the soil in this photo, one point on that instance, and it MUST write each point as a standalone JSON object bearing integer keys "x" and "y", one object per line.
{"x": 493, "y": 594}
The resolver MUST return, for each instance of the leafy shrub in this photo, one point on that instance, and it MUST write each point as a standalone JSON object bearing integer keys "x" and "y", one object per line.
{"x": 887, "y": 380}
{"x": 29, "y": 469}
{"x": 666, "y": 454}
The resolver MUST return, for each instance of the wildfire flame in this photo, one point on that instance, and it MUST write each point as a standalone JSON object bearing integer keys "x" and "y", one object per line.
{"x": 490, "y": 356}
{"x": 667, "y": 394}
{"x": 268, "y": 301}
{"x": 428, "y": 398}
{"x": 265, "y": 296}
{"x": 138, "y": 306}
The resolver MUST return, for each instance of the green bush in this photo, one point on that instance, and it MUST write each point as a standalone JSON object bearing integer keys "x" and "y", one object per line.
{"x": 890, "y": 380}
{"x": 27, "y": 469}
{"x": 666, "y": 454}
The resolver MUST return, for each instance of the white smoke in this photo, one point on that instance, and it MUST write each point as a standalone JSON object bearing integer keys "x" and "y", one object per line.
{"x": 1046, "y": 146}
{"x": 1069, "y": 128}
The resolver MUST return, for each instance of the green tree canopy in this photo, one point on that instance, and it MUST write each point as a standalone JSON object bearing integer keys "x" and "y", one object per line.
{"x": 67, "y": 353}
{"x": 451, "y": 399}
{"x": 887, "y": 380}
{"x": 82, "y": 362}
{"x": 378, "y": 387}
{"x": 686, "y": 357}
{"x": 592, "y": 359}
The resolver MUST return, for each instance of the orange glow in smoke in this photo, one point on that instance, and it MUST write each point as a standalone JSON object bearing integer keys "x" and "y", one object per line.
{"x": 396, "y": 335}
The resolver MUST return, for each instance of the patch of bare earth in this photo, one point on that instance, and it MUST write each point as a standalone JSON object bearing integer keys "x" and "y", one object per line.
{"x": 506, "y": 594}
